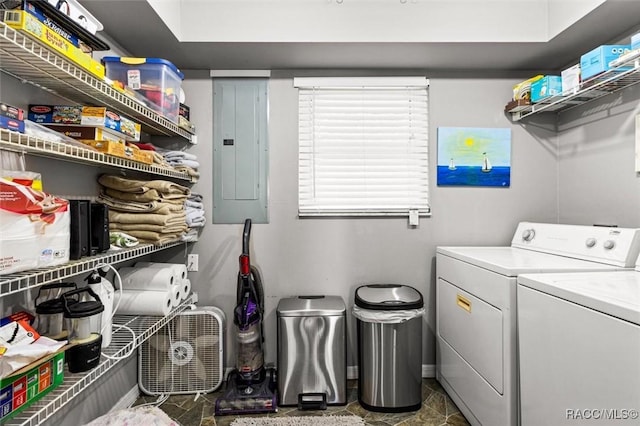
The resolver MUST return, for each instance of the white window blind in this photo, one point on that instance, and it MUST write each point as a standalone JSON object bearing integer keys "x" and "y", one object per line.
{"x": 363, "y": 146}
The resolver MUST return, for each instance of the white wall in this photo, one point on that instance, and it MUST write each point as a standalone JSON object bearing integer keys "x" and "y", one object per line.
{"x": 334, "y": 256}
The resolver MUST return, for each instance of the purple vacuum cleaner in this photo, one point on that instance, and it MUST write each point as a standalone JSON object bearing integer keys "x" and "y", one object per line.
{"x": 251, "y": 388}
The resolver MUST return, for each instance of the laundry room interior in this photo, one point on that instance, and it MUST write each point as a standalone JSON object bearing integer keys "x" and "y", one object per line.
{"x": 295, "y": 293}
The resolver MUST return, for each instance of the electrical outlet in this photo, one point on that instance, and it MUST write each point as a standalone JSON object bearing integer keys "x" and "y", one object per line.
{"x": 192, "y": 262}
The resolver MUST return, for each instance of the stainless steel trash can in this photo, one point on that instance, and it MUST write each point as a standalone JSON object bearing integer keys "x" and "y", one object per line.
{"x": 312, "y": 351}
{"x": 389, "y": 326}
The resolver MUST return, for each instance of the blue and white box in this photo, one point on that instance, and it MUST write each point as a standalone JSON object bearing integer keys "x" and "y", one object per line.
{"x": 598, "y": 60}
{"x": 635, "y": 41}
{"x": 549, "y": 85}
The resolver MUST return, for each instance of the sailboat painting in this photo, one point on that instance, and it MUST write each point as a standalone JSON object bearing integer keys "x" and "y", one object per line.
{"x": 474, "y": 156}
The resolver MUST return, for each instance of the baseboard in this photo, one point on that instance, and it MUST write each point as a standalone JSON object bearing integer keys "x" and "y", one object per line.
{"x": 128, "y": 399}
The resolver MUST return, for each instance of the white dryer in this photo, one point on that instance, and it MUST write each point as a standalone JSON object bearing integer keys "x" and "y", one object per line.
{"x": 476, "y": 359}
{"x": 579, "y": 343}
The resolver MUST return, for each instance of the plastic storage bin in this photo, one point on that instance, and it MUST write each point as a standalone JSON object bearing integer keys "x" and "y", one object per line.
{"x": 157, "y": 80}
{"x": 312, "y": 351}
{"x": 389, "y": 318}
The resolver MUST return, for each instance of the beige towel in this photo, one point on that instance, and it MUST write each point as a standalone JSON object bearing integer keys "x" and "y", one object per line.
{"x": 126, "y": 227}
{"x": 128, "y": 206}
{"x": 150, "y": 218}
{"x": 141, "y": 186}
{"x": 150, "y": 195}
{"x": 153, "y": 237}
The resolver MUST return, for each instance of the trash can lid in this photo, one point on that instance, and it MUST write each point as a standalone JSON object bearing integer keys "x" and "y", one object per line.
{"x": 388, "y": 297}
{"x": 309, "y": 306}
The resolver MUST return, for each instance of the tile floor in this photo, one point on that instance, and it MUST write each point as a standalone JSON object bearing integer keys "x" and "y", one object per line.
{"x": 437, "y": 409}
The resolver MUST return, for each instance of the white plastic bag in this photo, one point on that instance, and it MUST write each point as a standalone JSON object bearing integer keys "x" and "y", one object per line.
{"x": 386, "y": 317}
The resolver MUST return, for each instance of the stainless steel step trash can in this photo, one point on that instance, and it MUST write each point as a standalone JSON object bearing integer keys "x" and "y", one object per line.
{"x": 389, "y": 326}
{"x": 312, "y": 351}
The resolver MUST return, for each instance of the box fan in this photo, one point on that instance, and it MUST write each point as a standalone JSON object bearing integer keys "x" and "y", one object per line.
{"x": 184, "y": 356}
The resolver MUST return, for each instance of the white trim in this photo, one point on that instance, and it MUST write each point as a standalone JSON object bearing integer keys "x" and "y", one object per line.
{"x": 360, "y": 82}
{"x": 127, "y": 399}
{"x": 240, "y": 73}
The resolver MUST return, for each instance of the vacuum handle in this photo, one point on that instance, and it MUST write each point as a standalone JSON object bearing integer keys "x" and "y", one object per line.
{"x": 245, "y": 237}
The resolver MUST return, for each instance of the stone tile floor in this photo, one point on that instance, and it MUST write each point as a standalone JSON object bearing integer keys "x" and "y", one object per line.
{"x": 437, "y": 409}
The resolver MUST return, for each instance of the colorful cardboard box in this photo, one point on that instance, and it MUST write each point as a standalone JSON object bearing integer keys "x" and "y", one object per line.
{"x": 78, "y": 115}
{"x": 549, "y": 85}
{"x": 32, "y": 27}
{"x": 29, "y": 384}
{"x": 121, "y": 149}
{"x": 88, "y": 132}
{"x": 11, "y": 124}
{"x": 598, "y": 60}
{"x": 10, "y": 111}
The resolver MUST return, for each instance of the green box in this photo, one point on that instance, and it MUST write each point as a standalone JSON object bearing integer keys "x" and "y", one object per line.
{"x": 29, "y": 384}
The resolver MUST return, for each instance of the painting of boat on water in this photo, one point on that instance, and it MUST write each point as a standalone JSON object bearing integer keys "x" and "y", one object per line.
{"x": 474, "y": 156}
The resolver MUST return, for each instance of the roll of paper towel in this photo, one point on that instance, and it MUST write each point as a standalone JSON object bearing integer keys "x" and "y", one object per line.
{"x": 186, "y": 288}
{"x": 176, "y": 295}
{"x": 134, "y": 278}
{"x": 179, "y": 270}
{"x": 143, "y": 302}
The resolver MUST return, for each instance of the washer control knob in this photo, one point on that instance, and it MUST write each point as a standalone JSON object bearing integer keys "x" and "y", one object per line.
{"x": 590, "y": 242}
{"x": 609, "y": 244}
{"x": 528, "y": 234}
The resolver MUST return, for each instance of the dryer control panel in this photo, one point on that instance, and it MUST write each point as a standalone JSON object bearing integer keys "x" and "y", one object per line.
{"x": 610, "y": 245}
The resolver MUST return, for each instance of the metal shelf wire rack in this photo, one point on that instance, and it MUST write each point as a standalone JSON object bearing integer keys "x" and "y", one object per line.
{"x": 625, "y": 72}
{"x": 14, "y": 283}
{"x": 31, "y": 62}
{"x": 13, "y": 141}
{"x": 121, "y": 344}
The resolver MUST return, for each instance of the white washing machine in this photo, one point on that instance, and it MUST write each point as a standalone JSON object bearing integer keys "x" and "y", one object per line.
{"x": 476, "y": 359}
{"x": 579, "y": 343}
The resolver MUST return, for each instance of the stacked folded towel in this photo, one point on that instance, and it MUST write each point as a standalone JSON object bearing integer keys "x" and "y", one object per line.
{"x": 151, "y": 211}
{"x": 195, "y": 211}
{"x": 183, "y": 162}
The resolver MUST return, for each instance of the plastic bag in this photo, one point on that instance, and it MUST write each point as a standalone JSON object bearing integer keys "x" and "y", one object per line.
{"x": 386, "y": 317}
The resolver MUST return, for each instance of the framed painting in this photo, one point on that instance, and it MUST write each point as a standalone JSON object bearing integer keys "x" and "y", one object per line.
{"x": 474, "y": 156}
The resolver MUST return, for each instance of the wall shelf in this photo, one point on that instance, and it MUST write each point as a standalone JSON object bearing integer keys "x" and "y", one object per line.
{"x": 31, "y": 62}
{"x": 624, "y": 73}
{"x": 18, "y": 142}
{"x": 143, "y": 326}
{"x": 20, "y": 281}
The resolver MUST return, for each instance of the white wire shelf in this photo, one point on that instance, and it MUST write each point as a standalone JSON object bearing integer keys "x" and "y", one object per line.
{"x": 14, "y": 283}
{"x": 18, "y": 142}
{"x": 625, "y": 73}
{"x": 121, "y": 343}
{"x": 33, "y": 63}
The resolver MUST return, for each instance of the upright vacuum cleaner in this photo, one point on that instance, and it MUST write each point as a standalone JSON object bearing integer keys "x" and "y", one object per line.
{"x": 250, "y": 386}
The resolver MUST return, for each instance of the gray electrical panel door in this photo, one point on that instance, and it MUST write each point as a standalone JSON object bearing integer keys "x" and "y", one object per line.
{"x": 240, "y": 150}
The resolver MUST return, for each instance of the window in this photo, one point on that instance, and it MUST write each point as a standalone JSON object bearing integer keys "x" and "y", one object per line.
{"x": 363, "y": 146}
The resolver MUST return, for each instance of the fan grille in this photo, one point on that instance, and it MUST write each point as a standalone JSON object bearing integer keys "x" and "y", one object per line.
{"x": 184, "y": 356}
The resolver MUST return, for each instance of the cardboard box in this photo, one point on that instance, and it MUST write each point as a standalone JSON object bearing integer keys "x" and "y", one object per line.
{"x": 571, "y": 79}
{"x": 29, "y": 384}
{"x": 598, "y": 60}
{"x": 88, "y": 132}
{"x": 108, "y": 147}
{"x": 143, "y": 156}
{"x": 11, "y": 111}
{"x": 11, "y": 124}
{"x": 85, "y": 116}
{"x": 32, "y": 27}
{"x": 52, "y": 23}
{"x": 549, "y": 85}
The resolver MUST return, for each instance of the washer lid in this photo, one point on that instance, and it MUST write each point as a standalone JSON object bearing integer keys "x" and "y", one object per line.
{"x": 388, "y": 297}
{"x": 308, "y": 306}
{"x": 612, "y": 293}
